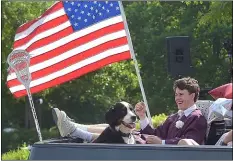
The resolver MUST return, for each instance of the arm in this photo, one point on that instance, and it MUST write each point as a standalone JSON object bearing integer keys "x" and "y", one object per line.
{"x": 160, "y": 131}
{"x": 196, "y": 130}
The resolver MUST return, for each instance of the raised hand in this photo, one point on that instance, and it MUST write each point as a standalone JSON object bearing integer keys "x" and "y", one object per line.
{"x": 140, "y": 110}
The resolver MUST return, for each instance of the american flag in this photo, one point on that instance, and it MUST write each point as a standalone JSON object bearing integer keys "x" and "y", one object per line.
{"x": 69, "y": 40}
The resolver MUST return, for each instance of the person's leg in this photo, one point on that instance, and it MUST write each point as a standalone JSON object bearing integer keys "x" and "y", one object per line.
{"x": 193, "y": 142}
{"x": 68, "y": 128}
{"x": 85, "y": 135}
{"x": 187, "y": 142}
{"x": 228, "y": 137}
{"x": 183, "y": 142}
{"x": 95, "y": 128}
{"x": 220, "y": 140}
{"x": 97, "y": 125}
{"x": 225, "y": 138}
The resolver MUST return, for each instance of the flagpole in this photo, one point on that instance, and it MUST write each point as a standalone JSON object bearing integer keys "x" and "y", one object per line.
{"x": 135, "y": 61}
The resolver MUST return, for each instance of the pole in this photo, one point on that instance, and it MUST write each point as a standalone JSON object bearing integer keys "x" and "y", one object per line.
{"x": 135, "y": 61}
{"x": 34, "y": 114}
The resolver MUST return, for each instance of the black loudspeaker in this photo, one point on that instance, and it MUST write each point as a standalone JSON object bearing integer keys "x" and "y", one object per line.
{"x": 179, "y": 60}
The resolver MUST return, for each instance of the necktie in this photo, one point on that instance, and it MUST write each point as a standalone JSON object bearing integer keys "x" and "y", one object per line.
{"x": 180, "y": 113}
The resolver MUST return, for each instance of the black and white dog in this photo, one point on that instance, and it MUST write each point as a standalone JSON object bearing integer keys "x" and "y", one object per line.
{"x": 121, "y": 120}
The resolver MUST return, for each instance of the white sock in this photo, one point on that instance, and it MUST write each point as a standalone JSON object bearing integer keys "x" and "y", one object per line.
{"x": 79, "y": 133}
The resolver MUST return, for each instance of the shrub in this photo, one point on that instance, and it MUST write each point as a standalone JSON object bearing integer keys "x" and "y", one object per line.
{"x": 156, "y": 120}
{"x": 19, "y": 154}
{"x": 13, "y": 140}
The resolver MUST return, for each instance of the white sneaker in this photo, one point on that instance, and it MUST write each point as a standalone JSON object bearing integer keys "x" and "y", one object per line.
{"x": 65, "y": 125}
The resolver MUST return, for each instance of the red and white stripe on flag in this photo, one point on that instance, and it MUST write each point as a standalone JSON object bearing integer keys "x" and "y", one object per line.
{"x": 62, "y": 49}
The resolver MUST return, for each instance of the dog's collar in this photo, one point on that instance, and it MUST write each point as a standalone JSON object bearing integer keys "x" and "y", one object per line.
{"x": 120, "y": 133}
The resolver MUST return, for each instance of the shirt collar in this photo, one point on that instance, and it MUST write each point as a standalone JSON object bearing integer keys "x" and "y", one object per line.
{"x": 189, "y": 110}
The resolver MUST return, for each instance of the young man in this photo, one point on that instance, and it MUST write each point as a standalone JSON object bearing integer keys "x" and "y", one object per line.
{"x": 187, "y": 123}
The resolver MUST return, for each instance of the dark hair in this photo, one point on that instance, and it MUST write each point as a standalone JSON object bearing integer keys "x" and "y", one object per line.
{"x": 190, "y": 84}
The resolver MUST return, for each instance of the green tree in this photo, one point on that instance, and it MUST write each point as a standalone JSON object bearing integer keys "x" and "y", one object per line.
{"x": 13, "y": 109}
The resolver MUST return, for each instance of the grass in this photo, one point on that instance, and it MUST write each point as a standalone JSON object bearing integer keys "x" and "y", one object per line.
{"x": 19, "y": 154}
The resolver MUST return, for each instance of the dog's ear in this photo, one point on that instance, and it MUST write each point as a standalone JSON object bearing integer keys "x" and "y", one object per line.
{"x": 109, "y": 116}
{"x": 114, "y": 115}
